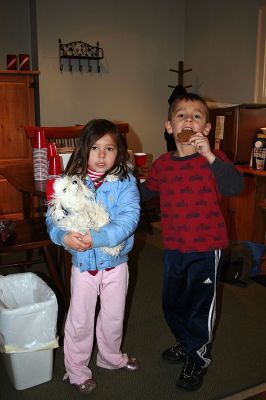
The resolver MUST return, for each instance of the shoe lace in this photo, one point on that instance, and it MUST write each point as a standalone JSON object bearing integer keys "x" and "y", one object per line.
{"x": 178, "y": 349}
{"x": 191, "y": 367}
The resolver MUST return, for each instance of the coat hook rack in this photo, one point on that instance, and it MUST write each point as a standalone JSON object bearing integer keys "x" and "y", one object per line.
{"x": 181, "y": 71}
{"x": 80, "y": 51}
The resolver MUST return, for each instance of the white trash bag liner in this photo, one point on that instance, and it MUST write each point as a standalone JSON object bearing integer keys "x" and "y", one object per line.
{"x": 28, "y": 314}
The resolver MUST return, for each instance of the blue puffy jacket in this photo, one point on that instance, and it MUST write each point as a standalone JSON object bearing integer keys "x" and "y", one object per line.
{"x": 122, "y": 201}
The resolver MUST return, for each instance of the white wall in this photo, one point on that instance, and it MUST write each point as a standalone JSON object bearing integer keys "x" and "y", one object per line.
{"x": 220, "y": 47}
{"x": 141, "y": 42}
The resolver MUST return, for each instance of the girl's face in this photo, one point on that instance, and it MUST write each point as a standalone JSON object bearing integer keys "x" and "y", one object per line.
{"x": 189, "y": 115}
{"x": 103, "y": 154}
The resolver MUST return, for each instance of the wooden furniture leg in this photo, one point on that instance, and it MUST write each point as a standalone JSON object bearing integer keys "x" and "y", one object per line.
{"x": 53, "y": 270}
{"x": 67, "y": 274}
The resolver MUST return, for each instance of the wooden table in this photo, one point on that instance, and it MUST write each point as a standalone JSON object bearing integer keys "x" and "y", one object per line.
{"x": 21, "y": 177}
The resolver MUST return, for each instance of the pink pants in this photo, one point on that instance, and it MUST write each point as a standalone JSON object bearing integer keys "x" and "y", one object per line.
{"x": 111, "y": 286}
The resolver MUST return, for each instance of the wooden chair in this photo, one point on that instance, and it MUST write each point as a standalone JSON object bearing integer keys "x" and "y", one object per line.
{"x": 65, "y": 136}
{"x": 29, "y": 235}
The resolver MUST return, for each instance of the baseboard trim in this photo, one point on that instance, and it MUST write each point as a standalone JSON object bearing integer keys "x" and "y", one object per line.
{"x": 245, "y": 394}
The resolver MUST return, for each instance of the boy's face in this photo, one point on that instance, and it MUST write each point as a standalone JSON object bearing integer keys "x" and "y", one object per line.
{"x": 188, "y": 115}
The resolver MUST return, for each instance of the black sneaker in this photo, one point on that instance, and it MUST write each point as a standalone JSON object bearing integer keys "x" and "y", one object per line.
{"x": 174, "y": 354}
{"x": 191, "y": 376}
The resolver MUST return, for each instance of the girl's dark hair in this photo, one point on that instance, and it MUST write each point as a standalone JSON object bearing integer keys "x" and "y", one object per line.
{"x": 187, "y": 97}
{"x": 90, "y": 134}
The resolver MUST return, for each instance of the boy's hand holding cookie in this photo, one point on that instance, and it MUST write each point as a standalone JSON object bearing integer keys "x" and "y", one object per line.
{"x": 202, "y": 145}
{"x": 141, "y": 172}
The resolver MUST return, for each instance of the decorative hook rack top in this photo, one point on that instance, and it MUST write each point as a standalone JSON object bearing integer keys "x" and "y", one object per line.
{"x": 80, "y": 51}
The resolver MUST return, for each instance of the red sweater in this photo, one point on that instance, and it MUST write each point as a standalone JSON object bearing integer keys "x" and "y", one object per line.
{"x": 190, "y": 213}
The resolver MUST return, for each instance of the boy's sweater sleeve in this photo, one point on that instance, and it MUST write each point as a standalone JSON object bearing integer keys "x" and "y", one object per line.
{"x": 145, "y": 193}
{"x": 229, "y": 180}
{"x": 150, "y": 187}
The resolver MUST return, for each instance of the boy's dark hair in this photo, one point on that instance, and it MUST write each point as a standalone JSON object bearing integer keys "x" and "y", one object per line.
{"x": 178, "y": 91}
{"x": 188, "y": 97}
{"x": 90, "y": 134}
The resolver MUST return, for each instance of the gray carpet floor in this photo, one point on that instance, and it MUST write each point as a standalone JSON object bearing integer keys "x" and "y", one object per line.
{"x": 239, "y": 350}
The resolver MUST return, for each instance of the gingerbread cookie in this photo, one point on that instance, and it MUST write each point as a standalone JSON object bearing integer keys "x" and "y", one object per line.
{"x": 185, "y": 135}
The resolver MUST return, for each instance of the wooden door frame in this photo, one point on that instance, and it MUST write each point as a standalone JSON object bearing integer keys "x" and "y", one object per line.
{"x": 260, "y": 75}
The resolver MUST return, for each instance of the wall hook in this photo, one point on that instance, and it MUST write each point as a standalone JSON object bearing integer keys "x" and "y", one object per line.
{"x": 80, "y": 66}
{"x": 70, "y": 65}
{"x": 89, "y": 66}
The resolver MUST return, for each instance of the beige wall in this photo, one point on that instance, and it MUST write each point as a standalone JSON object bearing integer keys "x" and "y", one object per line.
{"x": 14, "y": 29}
{"x": 141, "y": 41}
{"x": 220, "y": 46}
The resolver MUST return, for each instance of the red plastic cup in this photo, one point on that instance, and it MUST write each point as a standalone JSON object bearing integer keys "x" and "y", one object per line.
{"x": 55, "y": 167}
{"x": 24, "y": 62}
{"x": 140, "y": 159}
{"x": 39, "y": 140}
{"x": 51, "y": 150}
{"x": 50, "y": 189}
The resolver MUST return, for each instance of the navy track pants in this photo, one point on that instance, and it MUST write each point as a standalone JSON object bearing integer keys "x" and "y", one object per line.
{"x": 189, "y": 299}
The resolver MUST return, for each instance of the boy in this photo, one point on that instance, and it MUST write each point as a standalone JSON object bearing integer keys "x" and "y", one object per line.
{"x": 189, "y": 182}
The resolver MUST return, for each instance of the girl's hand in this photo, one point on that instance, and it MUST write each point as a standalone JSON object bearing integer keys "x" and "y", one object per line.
{"x": 74, "y": 240}
{"x": 202, "y": 145}
{"x": 87, "y": 239}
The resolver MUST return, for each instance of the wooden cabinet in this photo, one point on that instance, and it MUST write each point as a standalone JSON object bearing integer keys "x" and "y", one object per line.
{"x": 245, "y": 214}
{"x": 17, "y": 105}
{"x": 239, "y": 212}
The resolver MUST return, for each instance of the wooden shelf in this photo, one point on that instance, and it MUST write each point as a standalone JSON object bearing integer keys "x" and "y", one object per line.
{"x": 17, "y": 72}
{"x": 247, "y": 170}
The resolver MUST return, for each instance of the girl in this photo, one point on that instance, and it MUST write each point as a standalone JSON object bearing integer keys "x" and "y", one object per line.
{"x": 100, "y": 159}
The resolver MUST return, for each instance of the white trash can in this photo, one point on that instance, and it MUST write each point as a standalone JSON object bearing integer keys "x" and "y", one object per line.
{"x": 28, "y": 319}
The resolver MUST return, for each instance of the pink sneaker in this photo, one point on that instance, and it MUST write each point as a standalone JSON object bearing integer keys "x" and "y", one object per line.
{"x": 132, "y": 364}
{"x": 86, "y": 387}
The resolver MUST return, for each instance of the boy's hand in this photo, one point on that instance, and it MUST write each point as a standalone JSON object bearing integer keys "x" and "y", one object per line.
{"x": 202, "y": 145}
{"x": 141, "y": 172}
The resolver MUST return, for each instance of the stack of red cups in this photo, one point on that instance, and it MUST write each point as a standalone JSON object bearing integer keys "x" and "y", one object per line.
{"x": 54, "y": 169}
{"x": 39, "y": 155}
